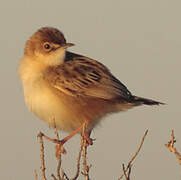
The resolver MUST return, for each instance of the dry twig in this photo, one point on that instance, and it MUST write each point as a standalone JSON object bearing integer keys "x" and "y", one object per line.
{"x": 42, "y": 156}
{"x": 129, "y": 171}
{"x": 64, "y": 175}
{"x": 171, "y": 147}
{"x": 134, "y": 156}
{"x": 78, "y": 159}
{"x": 53, "y": 176}
{"x": 127, "y": 174}
{"x": 36, "y": 175}
{"x": 86, "y": 168}
{"x": 58, "y": 151}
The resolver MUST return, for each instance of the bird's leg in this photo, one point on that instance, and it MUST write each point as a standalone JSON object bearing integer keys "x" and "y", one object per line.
{"x": 86, "y": 134}
{"x": 81, "y": 129}
{"x": 64, "y": 140}
{"x": 89, "y": 140}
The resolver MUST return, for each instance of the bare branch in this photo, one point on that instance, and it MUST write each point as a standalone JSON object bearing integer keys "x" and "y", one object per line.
{"x": 53, "y": 176}
{"x": 124, "y": 171}
{"x": 42, "y": 156}
{"x": 85, "y": 166}
{"x": 171, "y": 147}
{"x": 134, "y": 156}
{"x": 129, "y": 171}
{"x": 127, "y": 174}
{"x": 58, "y": 151}
{"x": 36, "y": 174}
{"x": 64, "y": 175}
{"x": 78, "y": 159}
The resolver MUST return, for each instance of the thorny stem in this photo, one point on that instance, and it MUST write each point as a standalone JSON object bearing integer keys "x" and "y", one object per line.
{"x": 36, "y": 175}
{"x": 132, "y": 159}
{"x": 171, "y": 147}
{"x": 42, "y": 156}
{"x": 53, "y": 176}
{"x": 58, "y": 152}
{"x": 85, "y": 166}
{"x": 78, "y": 159}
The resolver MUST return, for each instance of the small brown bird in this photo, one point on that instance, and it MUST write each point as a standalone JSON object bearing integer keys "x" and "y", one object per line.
{"x": 70, "y": 89}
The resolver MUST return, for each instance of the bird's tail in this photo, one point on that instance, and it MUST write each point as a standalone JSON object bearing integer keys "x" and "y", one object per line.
{"x": 139, "y": 101}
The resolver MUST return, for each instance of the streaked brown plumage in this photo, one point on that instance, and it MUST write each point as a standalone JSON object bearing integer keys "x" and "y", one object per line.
{"x": 70, "y": 88}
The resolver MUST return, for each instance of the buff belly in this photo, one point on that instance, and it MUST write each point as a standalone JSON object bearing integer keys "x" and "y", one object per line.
{"x": 68, "y": 112}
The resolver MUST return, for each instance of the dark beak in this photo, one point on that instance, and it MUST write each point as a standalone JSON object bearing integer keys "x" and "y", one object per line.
{"x": 67, "y": 45}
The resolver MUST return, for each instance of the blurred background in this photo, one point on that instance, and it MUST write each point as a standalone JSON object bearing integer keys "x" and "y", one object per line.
{"x": 140, "y": 42}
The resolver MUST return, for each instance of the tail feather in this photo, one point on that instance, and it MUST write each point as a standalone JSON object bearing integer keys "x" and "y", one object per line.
{"x": 140, "y": 100}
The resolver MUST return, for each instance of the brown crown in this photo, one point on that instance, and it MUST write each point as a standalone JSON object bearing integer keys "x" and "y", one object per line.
{"x": 45, "y": 34}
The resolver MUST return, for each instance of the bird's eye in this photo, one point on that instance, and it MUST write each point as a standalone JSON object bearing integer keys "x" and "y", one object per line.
{"x": 47, "y": 46}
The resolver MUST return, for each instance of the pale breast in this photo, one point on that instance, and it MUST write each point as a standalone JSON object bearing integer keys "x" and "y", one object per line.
{"x": 40, "y": 98}
{"x": 68, "y": 112}
{"x": 46, "y": 105}
{"x": 49, "y": 103}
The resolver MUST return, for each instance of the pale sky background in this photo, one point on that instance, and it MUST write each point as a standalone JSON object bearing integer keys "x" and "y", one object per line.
{"x": 140, "y": 41}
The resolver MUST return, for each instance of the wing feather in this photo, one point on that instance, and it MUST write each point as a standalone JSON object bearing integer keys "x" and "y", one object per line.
{"x": 82, "y": 76}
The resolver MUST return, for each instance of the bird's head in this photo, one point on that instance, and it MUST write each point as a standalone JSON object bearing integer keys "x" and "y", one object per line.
{"x": 47, "y": 45}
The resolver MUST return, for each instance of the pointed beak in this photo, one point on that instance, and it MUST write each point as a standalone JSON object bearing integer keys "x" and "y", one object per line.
{"x": 67, "y": 45}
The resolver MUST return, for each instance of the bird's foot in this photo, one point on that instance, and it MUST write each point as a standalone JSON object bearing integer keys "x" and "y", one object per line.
{"x": 59, "y": 143}
{"x": 59, "y": 149}
{"x": 88, "y": 139}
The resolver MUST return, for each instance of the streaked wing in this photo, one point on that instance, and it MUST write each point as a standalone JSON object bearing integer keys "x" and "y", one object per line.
{"x": 82, "y": 76}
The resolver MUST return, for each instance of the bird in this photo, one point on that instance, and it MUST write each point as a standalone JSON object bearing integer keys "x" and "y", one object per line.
{"x": 71, "y": 90}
